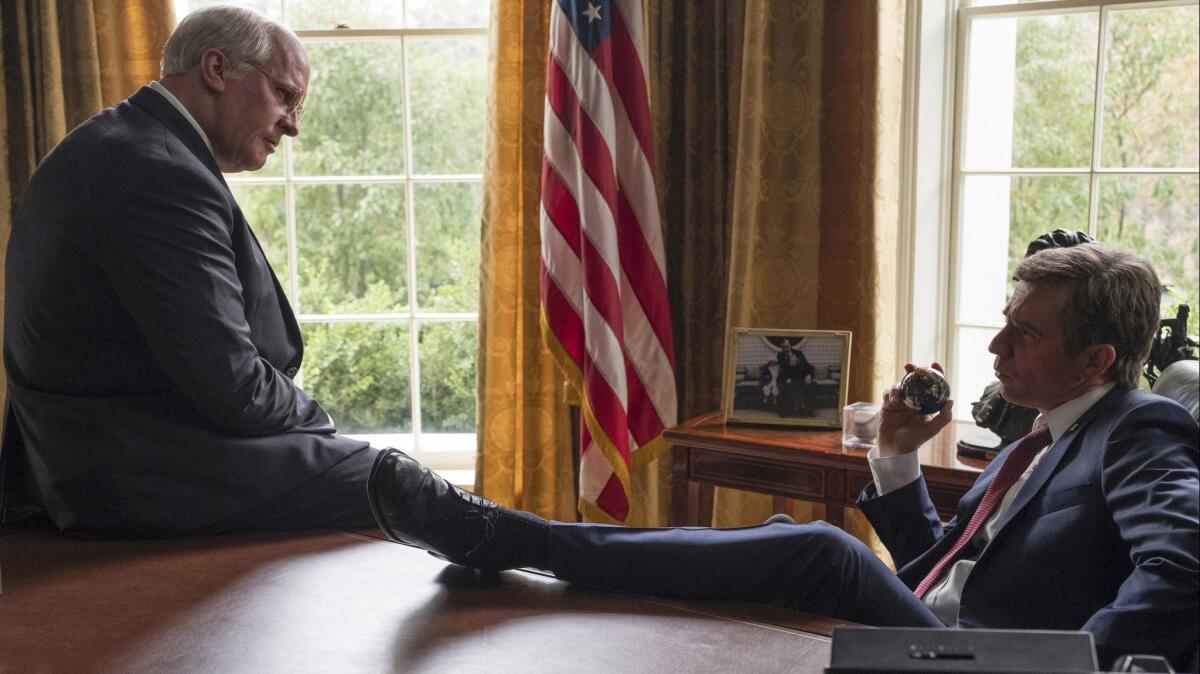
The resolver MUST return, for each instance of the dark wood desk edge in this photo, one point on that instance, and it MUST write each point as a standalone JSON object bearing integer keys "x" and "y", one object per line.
{"x": 759, "y": 615}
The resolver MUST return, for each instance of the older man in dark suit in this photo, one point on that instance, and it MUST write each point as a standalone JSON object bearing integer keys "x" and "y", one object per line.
{"x": 148, "y": 345}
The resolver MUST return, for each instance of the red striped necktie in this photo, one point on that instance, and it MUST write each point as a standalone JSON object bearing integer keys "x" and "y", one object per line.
{"x": 1014, "y": 466}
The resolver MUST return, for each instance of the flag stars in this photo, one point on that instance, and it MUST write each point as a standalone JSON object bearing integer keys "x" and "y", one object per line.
{"x": 592, "y": 13}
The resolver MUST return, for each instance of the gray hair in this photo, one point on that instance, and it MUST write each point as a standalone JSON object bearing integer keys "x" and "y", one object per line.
{"x": 244, "y": 35}
{"x": 1114, "y": 300}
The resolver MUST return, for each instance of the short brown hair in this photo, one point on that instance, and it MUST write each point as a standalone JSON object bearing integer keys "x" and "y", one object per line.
{"x": 1114, "y": 300}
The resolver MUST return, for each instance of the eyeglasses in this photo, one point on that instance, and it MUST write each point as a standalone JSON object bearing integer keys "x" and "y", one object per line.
{"x": 291, "y": 97}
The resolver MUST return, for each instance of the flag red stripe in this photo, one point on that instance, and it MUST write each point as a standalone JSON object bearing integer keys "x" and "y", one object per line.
{"x": 608, "y": 408}
{"x": 562, "y": 319}
{"x": 644, "y": 423}
{"x": 560, "y": 206}
{"x": 612, "y": 499}
{"x": 629, "y": 80}
{"x": 585, "y": 438}
{"x": 602, "y": 288}
{"x": 644, "y": 276}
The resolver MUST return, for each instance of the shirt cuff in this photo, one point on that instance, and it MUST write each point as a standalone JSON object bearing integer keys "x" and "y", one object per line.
{"x": 893, "y": 472}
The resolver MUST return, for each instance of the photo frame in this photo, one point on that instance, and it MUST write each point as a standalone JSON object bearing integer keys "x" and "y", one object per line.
{"x": 788, "y": 377}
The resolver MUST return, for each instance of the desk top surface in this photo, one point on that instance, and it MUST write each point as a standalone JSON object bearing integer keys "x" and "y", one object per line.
{"x": 349, "y": 602}
{"x": 711, "y": 431}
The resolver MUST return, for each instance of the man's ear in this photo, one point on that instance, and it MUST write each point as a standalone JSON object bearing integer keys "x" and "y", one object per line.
{"x": 215, "y": 68}
{"x": 1099, "y": 359}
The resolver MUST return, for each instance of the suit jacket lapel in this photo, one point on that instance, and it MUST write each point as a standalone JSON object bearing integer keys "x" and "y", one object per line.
{"x": 1046, "y": 467}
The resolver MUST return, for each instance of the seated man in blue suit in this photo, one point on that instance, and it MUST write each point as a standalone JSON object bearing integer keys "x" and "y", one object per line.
{"x": 1090, "y": 523}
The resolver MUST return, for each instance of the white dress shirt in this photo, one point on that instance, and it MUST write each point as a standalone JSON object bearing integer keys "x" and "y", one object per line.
{"x": 166, "y": 93}
{"x": 893, "y": 472}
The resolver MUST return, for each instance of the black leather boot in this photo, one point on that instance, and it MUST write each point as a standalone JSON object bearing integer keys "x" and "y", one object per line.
{"x": 418, "y": 507}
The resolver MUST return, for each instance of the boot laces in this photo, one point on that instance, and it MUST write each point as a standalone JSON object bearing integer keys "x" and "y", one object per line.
{"x": 488, "y": 514}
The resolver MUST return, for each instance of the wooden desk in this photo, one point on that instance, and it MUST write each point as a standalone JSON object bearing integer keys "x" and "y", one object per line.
{"x": 810, "y": 465}
{"x": 340, "y": 602}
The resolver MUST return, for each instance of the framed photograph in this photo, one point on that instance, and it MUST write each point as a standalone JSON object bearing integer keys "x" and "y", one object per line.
{"x": 792, "y": 377}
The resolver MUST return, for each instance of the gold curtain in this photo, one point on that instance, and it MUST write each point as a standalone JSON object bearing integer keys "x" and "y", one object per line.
{"x": 695, "y": 84}
{"x": 777, "y": 129}
{"x": 64, "y": 61}
{"x": 817, "y": 190}
{"x": 524, "y": 428}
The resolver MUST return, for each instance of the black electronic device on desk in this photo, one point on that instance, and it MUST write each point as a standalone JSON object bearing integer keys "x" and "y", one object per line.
{"x": 902, "y": 649}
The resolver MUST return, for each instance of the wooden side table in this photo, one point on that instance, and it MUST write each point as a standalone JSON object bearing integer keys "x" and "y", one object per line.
{"x": 804, "y": 464}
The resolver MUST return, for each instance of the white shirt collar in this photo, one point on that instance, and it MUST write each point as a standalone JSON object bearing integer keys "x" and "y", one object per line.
{"x": 166, "y": 93}
{"x": 1062, "y": 417}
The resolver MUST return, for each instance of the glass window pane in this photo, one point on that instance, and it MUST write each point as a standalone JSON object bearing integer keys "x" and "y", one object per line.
{"x": 1000, "y": 216}
{"x": 330, "y": 14}
{"x": 1151, "y": 89}
{"x": 354, "y": 115}
{"x": 352, "y": 248}
{"x": 972, "y": 368}
{"x": 993, "y": 3}
{"x": 447, "y": 221}
{"x": 360, "y": 374}
{"x": 447, "y": 76}
{"x": 268, "y": 8}
{"x": 1042, "y": 204}
{"x": 1030, "y": 88}
{"x": 447, "y": 353}
{"x": 263, "y": 207}
{"x": 1157, "y": 216}
{"x": 446, "y": 13}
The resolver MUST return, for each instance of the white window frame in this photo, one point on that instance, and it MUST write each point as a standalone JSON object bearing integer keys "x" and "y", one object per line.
{"x": 934, "y": 104}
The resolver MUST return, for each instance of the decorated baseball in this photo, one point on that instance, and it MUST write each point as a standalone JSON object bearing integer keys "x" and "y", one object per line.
{"x": 925, "y": 390}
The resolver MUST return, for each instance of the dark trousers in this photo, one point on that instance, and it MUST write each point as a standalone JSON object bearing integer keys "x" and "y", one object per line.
{"x": 815, "y": 568}
{"x": 333, "y": 499}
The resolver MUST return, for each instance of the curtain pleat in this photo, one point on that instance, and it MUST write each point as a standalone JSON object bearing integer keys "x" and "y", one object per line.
{"x": 524, "y": 424}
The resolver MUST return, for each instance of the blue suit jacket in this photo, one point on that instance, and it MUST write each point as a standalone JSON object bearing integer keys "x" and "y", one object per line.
{"x": 148, "y": 345}
{"x": 1103, "y": 536}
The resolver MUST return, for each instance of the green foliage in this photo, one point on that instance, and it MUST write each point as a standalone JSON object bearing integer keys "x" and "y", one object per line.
{"x": 448, "y": 377}
{"x": 354, "y": 116}
{"x": 351, "y": 239}
{"x": 1150, "y": 118}
{"x": 447, "y": 222}
{"x": 448, "y": 78}
{"x": 1055, "y": 88}
{"x": 361, "y": 373}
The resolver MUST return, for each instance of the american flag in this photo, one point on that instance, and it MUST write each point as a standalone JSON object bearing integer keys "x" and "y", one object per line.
{"x": 603, "y": 283}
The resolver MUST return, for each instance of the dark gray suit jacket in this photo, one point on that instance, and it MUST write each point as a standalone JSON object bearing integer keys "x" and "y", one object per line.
{"x": 148, "y": 345}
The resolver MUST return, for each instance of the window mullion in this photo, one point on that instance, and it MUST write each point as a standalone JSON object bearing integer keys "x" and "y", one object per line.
{"x": 1098, "y": 123}
{"x": 414, "y": 356}
{"x": 956, "y": 184}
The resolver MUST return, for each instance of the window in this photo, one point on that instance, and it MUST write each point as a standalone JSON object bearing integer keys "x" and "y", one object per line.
{"x": 1061, "y": 114}
{"x": 370, "y": 217}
